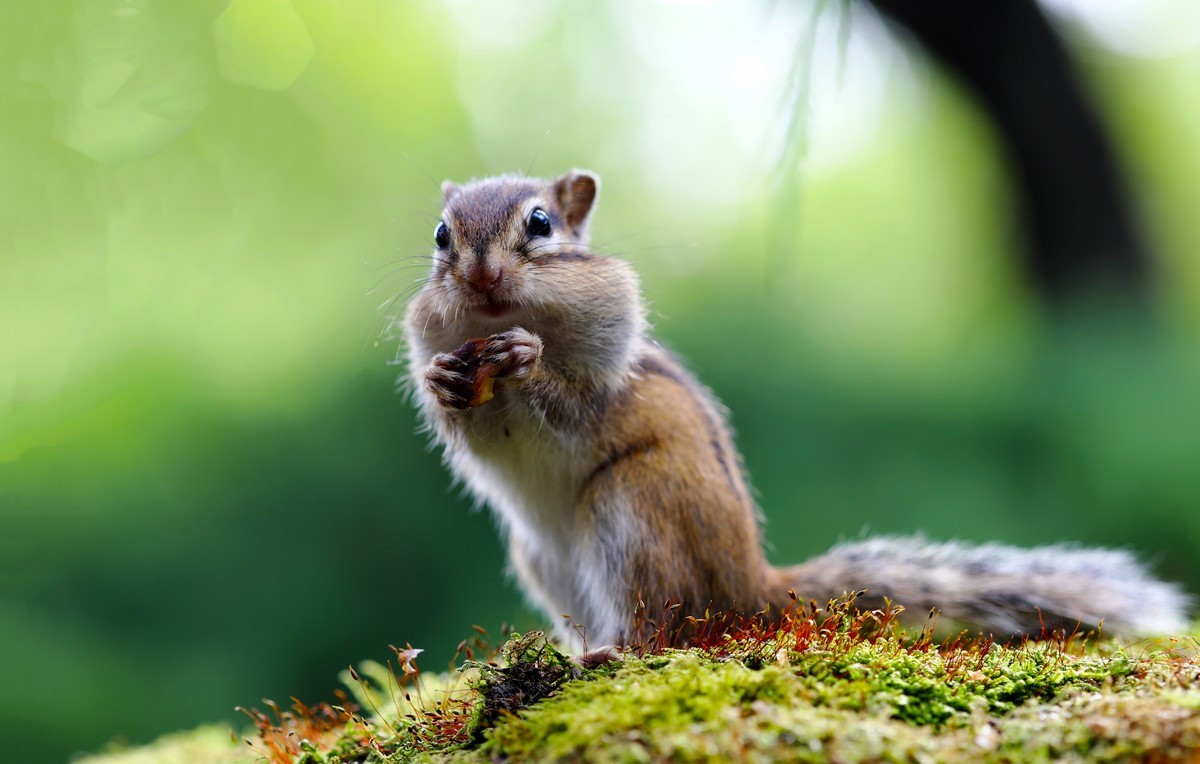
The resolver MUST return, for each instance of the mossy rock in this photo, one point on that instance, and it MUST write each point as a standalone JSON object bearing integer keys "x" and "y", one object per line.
{"x": 843, "y": 687}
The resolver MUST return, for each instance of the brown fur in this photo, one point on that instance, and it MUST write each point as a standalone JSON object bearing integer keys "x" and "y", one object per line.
{"x": 614, "y": 473}
{"x": 664, "y": 446}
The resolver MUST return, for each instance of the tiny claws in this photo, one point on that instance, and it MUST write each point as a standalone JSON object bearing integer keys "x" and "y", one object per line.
{"x": 516, "y": 352}
{"x": 466, "y": 378}
{"x": 448, "y": 378}
{"x": 444, "y": 375}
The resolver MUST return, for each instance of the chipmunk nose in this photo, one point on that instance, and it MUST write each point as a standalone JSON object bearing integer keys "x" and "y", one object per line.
{"x": 484, "y": 277}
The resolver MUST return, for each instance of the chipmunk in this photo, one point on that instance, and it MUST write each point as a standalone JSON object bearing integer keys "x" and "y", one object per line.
{"x": 613, "y": 470}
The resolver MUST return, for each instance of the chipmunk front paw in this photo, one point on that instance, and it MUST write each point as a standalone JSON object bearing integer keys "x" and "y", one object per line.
{"x": 467, "y": 377}
{"x": 514, "y": 353}
{"x": 451, "y": 377}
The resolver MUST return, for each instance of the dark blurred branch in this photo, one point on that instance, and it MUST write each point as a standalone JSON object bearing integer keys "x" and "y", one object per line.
{"x": 1081, "y": 232}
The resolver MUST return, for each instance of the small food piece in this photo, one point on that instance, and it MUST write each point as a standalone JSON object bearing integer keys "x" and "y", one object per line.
{"x": 480, "y": 374}
{"x": 485, "y": 380}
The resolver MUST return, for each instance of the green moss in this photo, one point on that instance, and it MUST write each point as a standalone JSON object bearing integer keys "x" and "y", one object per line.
{"x": 874, "y": 707}
{"x": 809, "y": 692}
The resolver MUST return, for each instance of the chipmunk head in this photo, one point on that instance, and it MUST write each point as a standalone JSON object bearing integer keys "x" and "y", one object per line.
{"x": 505, "y": 243}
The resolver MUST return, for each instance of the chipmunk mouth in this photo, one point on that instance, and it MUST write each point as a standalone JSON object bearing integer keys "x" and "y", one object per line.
{"x": 494, "y": 308}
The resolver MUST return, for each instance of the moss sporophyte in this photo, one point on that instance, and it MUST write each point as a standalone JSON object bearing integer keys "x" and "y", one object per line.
{"x": 831, "y": 684}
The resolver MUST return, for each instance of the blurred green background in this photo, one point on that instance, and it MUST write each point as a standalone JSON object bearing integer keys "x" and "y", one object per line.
{"x": 209, "y": 212}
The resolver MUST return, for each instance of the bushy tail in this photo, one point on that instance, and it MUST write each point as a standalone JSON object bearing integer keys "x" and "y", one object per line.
{"x": 1002, "y": 590}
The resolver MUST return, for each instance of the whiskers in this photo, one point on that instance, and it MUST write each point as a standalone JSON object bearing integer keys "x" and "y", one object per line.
{"x": 397, "y": 273}
{"x": 399, "y": 279}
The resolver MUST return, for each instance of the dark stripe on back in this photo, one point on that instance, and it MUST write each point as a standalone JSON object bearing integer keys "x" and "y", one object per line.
{"x": 648, "y": 364}
{"x": 627, "y": 451}
{"x": 652, "y": 365}
{"x": 720, "y": 454}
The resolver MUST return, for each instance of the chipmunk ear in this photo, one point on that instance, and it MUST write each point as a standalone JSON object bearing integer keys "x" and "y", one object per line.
{"x": 449, "y": 189}
{"x": 576, "y": 192}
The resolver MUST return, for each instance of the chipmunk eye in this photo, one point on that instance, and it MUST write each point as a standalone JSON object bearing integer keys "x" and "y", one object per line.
{"x": 441, "y": 236}
{"x": 539, "y": 223}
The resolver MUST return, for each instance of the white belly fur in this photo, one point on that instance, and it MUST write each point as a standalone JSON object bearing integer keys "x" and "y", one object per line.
{"x": 531, "y": 476}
